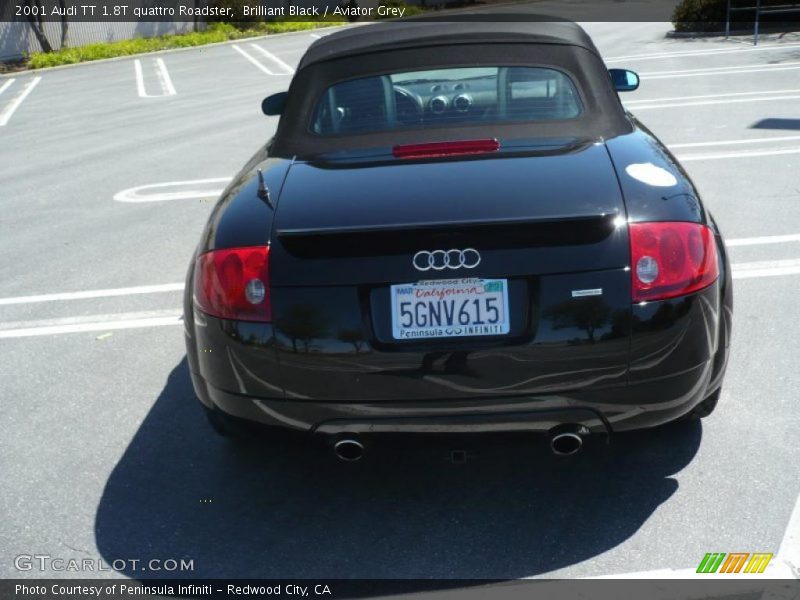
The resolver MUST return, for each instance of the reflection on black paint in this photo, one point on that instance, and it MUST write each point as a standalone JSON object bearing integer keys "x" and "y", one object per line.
{"x": 592, "y": 315}
{"x": 302, "y": 324}
{"x": 354, "y": 336}
{"x": 454, "y": 363}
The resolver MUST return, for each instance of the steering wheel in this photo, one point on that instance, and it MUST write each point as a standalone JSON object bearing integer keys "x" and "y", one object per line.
{"x": 408, "y": 106}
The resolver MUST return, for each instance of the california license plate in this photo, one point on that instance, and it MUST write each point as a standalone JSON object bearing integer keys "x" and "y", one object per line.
{"x": 450, "y": 308}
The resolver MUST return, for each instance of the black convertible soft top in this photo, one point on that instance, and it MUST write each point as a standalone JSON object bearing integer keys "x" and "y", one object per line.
{"x": 420, "y": 44}
{"x": 432, "y": 31}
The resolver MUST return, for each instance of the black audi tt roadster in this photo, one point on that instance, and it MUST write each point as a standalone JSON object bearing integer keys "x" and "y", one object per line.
{"x": 457, "y": 227}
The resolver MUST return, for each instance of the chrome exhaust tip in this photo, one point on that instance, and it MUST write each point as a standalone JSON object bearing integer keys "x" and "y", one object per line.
{"x": 565, "y": 441}
{"x": 349, "y": 449}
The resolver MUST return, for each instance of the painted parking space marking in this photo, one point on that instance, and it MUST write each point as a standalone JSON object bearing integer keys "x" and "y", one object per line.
{"x": 766, "y": 239}
{"x": 174, "y": 316}
{"x": 252, "y": 60}
{"x": 164, "y": 79}
{"x": 285, "y": 68}
{"x": 753, "y": 267}
{"x": 91, "y": 323}
{"x": 729, "y": 155}
{"x": 6, "y": 85}
{"x": 763, "y": 68}
{"x": 173, "y": 190}
{"x": 16, "y": 101}
{"x": 710, "y": 96}
{"x": 695, "y": 53}
{"x": 107, "y": 293}
{"x": 162, "y": 76}
{"x": 765, "y": 268}
{"x": 785, "y": 138}
{"x": 772, "y": 148}
{"x": 137, "y": 70}
{"x": 712, "y": 100}
{"x": 789, "y": 551}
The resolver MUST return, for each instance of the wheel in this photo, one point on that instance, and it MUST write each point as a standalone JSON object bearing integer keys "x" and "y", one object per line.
{"x": 705, "y": 408}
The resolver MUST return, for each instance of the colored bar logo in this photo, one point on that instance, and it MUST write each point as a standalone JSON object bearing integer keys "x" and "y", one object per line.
{"x": 735, "y": 562}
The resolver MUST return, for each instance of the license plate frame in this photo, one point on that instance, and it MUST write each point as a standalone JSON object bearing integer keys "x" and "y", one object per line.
{"x": 461, "y": 296}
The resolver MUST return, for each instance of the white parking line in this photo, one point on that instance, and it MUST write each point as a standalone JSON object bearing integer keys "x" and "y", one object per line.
{"x": 5, "y": 114}
{"x": 137, "y": 69}
{"x": 173, "y": 316}
{"x": 713, "y": 99}
{"x": 687, "y": 53}
{"x": 288, "y": 69}
{"x": 766, "y": 239}
{"x": 709, "y": 96}
{"x": 789, "y": 550}
{"x": 134, "y": 195}
{"x": 107, "y": 293}
{"x": 785, "y": 138}
{"x": 252, "y": 60}
{"x": 91, "y": 323}
{"x": 759, "y": 266}
{"x": 164, "y": 78}
{"x": 728, "y": 155}
{"x": 707, "y": 72}
{"x": 765, "y": 268}
{"x": 6, "y": 85}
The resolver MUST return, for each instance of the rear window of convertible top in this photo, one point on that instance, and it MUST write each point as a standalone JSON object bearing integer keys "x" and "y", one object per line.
{"x": 443, "y": 97}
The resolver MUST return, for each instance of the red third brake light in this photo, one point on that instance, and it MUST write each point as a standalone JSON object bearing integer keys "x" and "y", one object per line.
{"x": 436, "y": 149}
{"x": 671, "y": 259}
{"x": 234, "y": 284}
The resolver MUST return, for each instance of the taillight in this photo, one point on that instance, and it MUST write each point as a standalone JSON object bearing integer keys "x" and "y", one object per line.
{"x": 671, "y": 259}
{"x": 234, "y": 283}
{"x": 436, "y": 149}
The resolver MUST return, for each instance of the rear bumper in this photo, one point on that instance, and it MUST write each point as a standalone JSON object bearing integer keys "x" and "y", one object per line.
{"x": 633, "y": 406}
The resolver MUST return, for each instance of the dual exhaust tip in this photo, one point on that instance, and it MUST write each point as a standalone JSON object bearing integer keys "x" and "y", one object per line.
{"x": 566, "y": 444}
{"x": 565, "y": 440}
{"x": 348, "y": 449}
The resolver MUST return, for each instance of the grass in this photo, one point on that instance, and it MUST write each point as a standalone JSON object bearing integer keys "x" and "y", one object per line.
{"x": 216, "y": 32}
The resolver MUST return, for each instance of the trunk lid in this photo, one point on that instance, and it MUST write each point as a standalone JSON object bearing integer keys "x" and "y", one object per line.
{"x": 345, "y": 232}
{"x": 339, "y": 225}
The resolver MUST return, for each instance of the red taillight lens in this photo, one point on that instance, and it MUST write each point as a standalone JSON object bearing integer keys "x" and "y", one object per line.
{"x": 671, "y": 259}
{"x": 435, "y": 149}
{"x": 234, "y": 284}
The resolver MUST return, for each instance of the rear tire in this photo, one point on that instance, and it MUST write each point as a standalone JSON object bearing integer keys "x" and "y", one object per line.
{"x": 705, "y": 408}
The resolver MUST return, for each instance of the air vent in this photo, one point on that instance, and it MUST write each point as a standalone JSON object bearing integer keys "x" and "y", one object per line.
{"x": 439, "y": 104}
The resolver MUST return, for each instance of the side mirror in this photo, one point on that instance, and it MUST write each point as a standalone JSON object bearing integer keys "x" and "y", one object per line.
{"x": 274, "y": 104}
{"x": 624, "y": 80}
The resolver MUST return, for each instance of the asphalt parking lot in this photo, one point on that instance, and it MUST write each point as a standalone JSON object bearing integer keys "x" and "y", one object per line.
{"x": 108, "y": 174}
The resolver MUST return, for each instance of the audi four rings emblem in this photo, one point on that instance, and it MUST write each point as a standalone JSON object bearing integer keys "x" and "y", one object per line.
{"x": 438, "y": 260}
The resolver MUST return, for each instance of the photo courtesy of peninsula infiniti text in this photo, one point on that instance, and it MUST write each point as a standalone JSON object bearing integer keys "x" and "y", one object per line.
{"x": 457, "y": 228}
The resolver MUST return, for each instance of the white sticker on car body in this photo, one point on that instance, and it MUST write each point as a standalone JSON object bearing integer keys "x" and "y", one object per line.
{"x": 651, "y": 175}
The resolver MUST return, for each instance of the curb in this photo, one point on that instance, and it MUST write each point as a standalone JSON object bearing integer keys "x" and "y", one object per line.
{"x": 700, "y": 34}
{"x": 706, "y": 34}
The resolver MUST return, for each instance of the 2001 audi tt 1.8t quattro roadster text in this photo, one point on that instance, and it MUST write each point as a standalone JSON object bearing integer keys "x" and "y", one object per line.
{"x": 458, "y": 227}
